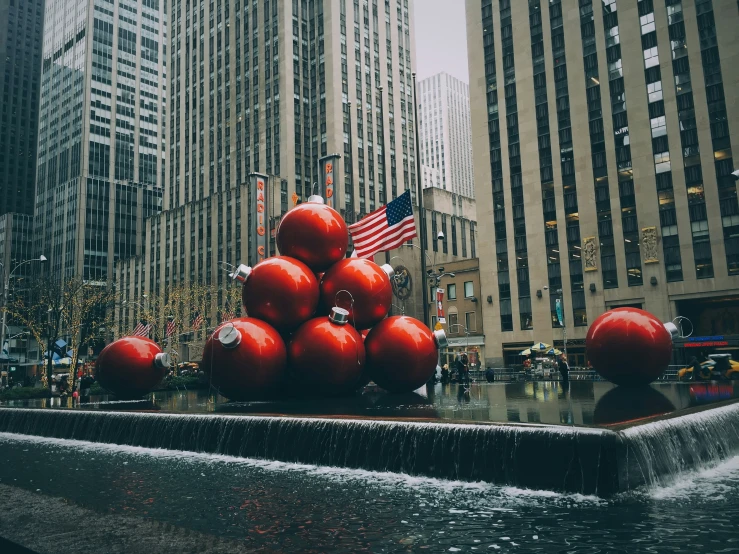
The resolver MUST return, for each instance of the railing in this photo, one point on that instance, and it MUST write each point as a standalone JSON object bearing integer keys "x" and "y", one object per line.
{"x": 507, "y": 374}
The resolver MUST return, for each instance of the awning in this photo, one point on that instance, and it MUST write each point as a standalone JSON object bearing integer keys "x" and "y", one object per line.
{"x": 457, "y": 342}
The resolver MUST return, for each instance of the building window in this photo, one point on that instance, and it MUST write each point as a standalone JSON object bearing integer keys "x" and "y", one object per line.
{"x": 453, "y": 323}
{"x": 451, "y": 292}
{"x": 470, "y": 321}
{"x": 469, "y": 289}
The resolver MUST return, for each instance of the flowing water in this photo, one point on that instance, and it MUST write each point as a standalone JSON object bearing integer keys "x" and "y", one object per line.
{"x": 304, "y": 508}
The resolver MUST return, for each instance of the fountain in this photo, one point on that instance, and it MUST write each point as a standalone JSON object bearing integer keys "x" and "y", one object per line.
{"x": 643, "y": 447}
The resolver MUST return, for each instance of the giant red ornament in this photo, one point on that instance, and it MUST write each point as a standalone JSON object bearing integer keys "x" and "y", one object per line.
{"x": 131, "y": 366}
{"x": 313, "y": 233}
{"x": 326, "y": 355}
{"x": 370, "y": 291}
{"x": 280, "y": 290}
{"x": 629, "y": 346}
{"x": 245, "y": 358}
{"x": 402, "y": 353}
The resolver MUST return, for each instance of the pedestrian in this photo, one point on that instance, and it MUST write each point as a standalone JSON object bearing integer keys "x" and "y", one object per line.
{"x": 445, "y": 373}
{"x": 564, "y": 370}
{"x": 490, "y": 375}
{"x": 464, "y": 376}
{"x": 696, "y": 368}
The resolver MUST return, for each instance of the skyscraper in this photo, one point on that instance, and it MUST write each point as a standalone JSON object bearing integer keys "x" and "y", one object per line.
{"x": 20, "y": 71}
{"x": 445, "y": 134}
{"x": 272, "y": 87}
{"x": 101, "y": 137}
{"x": 603, "y": 146}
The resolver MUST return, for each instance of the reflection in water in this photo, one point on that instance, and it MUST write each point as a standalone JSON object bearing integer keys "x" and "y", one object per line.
{"x": 623, "y": 404}
{"x": 548, "y": 402}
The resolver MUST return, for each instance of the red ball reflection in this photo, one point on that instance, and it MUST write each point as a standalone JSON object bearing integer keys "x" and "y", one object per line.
{"x": 313, "y": 233}
{"x": 252, "y": 368}
{"x": 326, "y": 358}
{"x": 370, "y": 289}
{"x": 281, "y": 291}
{"x": 126, "y": 367}
{"x": 629, "y": 346}
{"x": 401, "y": 354}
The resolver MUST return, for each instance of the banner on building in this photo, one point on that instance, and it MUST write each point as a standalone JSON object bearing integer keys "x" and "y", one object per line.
{"x": 439, "y": 307}
{"x": 328, "y": 186}
{"x": 560, "y": 311}
{"x": 258, "y": 218}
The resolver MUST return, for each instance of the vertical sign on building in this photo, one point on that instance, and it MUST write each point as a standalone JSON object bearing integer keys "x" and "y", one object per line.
{"x": 259, "y": 224}
{"x": 560, "y": 311}
{"x": 329, "y": 187}
{"x": 439, "y": 307}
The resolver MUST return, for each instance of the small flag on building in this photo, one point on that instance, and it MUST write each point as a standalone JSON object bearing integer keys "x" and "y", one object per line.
{"x": 197, "y": 320}
{"x": 384, "y": 229}
{"x": 170, "y": 327}
{"x": 142, "y": 329}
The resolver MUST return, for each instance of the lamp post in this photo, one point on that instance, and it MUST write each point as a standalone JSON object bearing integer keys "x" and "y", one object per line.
{"x": 6, "y": 291}
{"x": 558, "y": 295}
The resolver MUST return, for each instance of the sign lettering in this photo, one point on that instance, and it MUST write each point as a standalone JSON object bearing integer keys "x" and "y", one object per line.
{"x": 258, "y": 231}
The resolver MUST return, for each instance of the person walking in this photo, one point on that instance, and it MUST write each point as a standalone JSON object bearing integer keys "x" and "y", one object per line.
{"x": 564, "y": 370}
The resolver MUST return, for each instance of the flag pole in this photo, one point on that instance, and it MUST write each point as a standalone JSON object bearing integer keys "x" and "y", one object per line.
{"x": 421, "y": 219}
{"x": 384, "y": 172}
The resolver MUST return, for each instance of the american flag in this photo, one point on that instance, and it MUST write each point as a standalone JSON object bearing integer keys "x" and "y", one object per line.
{"x": 197, "y": 321}
{"x": 170, "y": 327}
{"x": 142, "y": 329}
{"x": 384, "y": 229}
{"x": 227, "y": 314}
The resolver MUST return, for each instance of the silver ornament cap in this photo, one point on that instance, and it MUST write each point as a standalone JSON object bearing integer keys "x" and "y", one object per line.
{"x": 316, "y": 199}
{"x": 229, "y": 337}
{"x": 241, "y": 273}
{"x": 388, "y": 269}
{"x": 440, "y": 338}
{"x": 673, "y": 330}
{"x": 339, "y": 316}
{"x": 162, "y": 360}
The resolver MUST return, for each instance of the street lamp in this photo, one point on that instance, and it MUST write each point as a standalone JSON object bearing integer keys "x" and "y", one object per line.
{"x": 6, "y": 290}
{"x": 559, "y": 295}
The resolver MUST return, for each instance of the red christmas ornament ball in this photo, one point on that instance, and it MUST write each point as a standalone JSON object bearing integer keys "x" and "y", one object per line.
{"x": 130, "y": 367}
{"x": 326, "y": 358}
{"x": 245, "y": 358}
{"x": 401, "y": 354}
{"x": 313, "y": 233}
{"x": 369, "y": 286}
{"x": 281, "y": 291}
{"x": 628, "y": 346}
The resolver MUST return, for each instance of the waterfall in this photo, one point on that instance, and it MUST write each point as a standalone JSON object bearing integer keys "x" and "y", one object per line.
{"x": 528, "y": 456}
{"x": 560, "y": 458}
{"x": 656, "y": 451}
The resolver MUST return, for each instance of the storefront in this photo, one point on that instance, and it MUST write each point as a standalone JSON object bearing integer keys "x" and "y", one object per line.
{"x": 701, "y": 347}
{"x": 473, "y": 346}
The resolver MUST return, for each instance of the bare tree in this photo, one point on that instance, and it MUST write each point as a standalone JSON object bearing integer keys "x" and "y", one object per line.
{"x": 57, "y": 308}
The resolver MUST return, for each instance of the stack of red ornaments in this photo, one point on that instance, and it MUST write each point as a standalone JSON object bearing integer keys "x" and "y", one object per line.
{"x": 308, "y": 312}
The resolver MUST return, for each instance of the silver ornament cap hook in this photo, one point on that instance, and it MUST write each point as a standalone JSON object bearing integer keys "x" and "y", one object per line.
{"x": 388, "y": 269}
{"x": 229, "y": 337}
{"x": 241, "y": 273}
{"x": 440, "y": 338}
{"x": 162, "y": 360}
{"x": 316, "y": 199}
{"x": 339, "y": 316}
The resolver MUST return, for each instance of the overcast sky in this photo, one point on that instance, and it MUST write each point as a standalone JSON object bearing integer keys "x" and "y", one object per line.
{"x": 441, "y": 38}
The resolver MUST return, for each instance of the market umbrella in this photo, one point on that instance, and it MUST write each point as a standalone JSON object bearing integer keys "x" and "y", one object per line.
{"x": 526, "y": 352}
{"x": 540, "y": 347}
{"x": 554, "y": 352}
